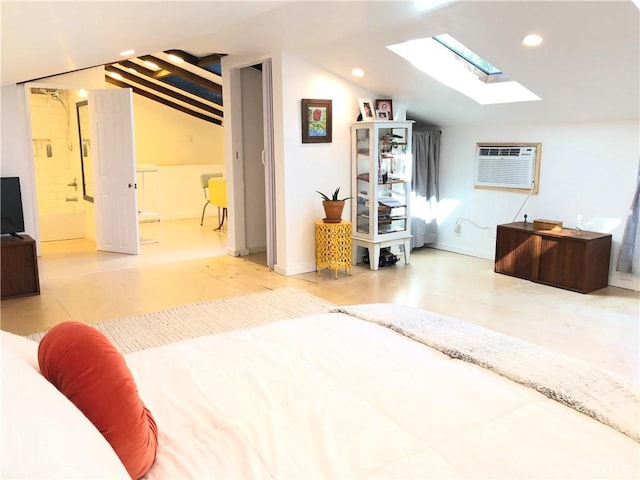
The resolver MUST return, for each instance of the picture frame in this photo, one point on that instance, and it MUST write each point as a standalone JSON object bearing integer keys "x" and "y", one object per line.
{"x": 385, "y": 104}
{"x": 383, "y": 115}
{"x": 367, "y": 109}
{"x": 317, "y": 122}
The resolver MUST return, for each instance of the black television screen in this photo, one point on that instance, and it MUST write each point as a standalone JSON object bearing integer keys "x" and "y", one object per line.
{"x": 11, "y": 205}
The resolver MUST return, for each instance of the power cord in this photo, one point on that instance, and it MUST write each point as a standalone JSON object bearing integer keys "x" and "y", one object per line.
{"x": 459, "y": 221}
{"x": 533, "y": 185}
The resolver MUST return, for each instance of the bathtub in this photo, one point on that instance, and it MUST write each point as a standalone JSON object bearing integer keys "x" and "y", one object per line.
{"x": 62, "y": 225}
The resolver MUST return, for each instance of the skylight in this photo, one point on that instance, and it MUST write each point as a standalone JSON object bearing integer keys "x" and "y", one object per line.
{"x": 450, "y": 62}
{"x": 471, "y": 57}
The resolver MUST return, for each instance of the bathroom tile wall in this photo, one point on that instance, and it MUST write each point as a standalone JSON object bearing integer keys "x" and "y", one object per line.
{"x": 56, "y": 153}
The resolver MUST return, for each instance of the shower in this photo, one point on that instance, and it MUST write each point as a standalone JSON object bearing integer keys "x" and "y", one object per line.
{"x": 45, "y": 91}
{"x": 61, "y": 213}
{"x": 57, "y": 95}
{"x": 54, "y": 93}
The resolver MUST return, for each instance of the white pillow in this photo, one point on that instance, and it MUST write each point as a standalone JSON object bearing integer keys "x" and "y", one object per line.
{"x": 43, "y": 434}
{"x": 21, "y": 346}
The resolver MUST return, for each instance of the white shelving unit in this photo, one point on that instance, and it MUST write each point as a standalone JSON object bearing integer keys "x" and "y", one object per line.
{"x": 381, "y": 187}
{"x": 149, "y": 217}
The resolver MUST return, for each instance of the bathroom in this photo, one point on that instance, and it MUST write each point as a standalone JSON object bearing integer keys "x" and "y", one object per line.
{"x": 58, "y": 172}
{"x": 181, "y": 146}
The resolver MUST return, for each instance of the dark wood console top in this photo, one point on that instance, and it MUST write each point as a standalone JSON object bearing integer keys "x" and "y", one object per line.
{"x": 553, "y": 232}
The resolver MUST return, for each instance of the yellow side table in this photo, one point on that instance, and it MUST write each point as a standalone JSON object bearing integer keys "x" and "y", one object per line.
{"x": 333, "y": 246}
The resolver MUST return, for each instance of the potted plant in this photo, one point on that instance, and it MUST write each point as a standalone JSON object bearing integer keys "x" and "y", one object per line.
{"x": 333, "y": 206}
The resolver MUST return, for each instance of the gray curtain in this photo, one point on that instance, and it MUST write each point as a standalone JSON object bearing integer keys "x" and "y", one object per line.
{"x": 425, "y": 187}
{"x": 630, "y": 236}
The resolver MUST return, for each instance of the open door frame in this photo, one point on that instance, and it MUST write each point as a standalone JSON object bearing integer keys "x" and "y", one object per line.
{"x": 269, "y": 163}
{"x": 235, "y": 162}
{"x": 119, "y": 229}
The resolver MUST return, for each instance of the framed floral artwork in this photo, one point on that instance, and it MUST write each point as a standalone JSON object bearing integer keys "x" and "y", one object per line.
{"x": 316, "y": 121}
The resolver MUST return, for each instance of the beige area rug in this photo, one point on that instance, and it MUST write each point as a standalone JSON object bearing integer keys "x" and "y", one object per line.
{"x": 139, "y": 332}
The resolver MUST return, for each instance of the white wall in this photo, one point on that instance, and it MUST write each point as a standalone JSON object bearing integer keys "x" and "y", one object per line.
{"x": 300, "y": 169}
{"x": 181, "y": 195}
{"x": 182, "y": 147}
{"x": 586, "y": 169}
{"x": 165, "y": 136}
{"x": 309, "y": 167}
{"x": 16, "y": 151}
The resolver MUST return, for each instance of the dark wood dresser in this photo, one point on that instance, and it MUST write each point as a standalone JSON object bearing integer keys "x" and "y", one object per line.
{"x": 565, "y": 258}
{"x": 19, "y": 266}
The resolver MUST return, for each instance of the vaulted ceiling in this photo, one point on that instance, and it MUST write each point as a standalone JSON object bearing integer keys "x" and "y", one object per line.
{"x": 175, "y": 78}
{"x": 586, "y": 70}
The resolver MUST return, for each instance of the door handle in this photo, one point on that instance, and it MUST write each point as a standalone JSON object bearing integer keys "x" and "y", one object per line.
{"x": 262, "y": 158}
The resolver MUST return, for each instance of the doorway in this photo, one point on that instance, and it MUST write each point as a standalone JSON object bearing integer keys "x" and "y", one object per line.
{"x": 253, "y": 168}
{"x": 63, "y": 101}
{"x": 57, "y": 155}
{"x": 62, "y": 213}
{"x": 253, "y": 143}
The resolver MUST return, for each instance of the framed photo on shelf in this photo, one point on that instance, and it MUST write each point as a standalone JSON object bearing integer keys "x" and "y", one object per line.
{"x": 385, "y": 104}
{"x": 383, "y": 115}
{"x": 367, "y": 109}
{"x": 316, "y": 121}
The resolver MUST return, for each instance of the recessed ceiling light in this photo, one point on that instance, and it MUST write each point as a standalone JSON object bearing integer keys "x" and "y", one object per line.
{"x": 82, "y": 93}
{"x": 127, "y": 53}
{"x": 357, "y": 72}
{"x": 532, "y": 40}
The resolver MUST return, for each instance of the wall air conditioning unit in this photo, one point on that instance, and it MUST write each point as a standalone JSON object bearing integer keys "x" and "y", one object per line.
{"x": 510, "y": 166}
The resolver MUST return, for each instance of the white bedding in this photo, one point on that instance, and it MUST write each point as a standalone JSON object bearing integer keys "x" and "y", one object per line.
{"x": 331, "y": 396}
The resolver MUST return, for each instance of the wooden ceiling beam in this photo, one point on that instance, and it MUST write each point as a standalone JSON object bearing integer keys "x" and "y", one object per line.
{"x": 164, "y": 90}
{"x": 163, "y": 101}
{"x": 211, "y": 59}
{"x": 182, "y": 73}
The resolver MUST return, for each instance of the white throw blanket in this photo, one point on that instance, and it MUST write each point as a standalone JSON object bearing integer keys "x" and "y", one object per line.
{"x": 577, "y": 384}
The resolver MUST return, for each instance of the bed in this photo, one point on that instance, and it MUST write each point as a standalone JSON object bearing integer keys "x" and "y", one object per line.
{"x": 361, "y": 392}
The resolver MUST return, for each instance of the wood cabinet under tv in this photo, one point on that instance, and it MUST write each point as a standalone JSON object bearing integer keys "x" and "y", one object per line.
{"x": 570, "y": 259}
{"x": 19, "y": 265}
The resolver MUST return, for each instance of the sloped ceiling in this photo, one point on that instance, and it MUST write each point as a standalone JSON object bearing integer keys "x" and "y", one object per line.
{"x": 175, "y": 78}
{"x": 587, "y": 69}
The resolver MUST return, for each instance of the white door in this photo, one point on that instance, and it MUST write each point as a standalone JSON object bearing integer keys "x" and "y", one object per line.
{"x": 114, "y": 172}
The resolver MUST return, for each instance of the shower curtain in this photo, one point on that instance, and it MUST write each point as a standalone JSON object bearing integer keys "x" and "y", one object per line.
{"x": 424, "y": 187}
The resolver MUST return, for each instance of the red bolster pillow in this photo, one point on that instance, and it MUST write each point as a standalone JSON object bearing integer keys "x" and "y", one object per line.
{"x": 82, "y": 363}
